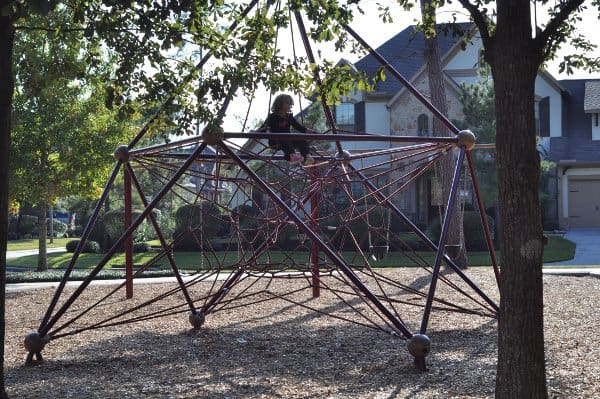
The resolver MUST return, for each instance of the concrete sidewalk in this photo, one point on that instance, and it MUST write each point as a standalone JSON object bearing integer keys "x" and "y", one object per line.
{"x": 27, "y": 252}
{"x": 19, "y": 287}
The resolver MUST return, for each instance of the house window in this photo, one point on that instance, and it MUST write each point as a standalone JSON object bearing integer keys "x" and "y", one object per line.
{"x": 542, "y": 117}
{"x": 596, "y": 126}
{"x": 422, "y": 125}
{"x": 344, "y": 117}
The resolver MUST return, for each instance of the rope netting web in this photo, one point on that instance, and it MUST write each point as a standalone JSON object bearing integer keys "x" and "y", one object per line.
{"x": 265, "y": 230}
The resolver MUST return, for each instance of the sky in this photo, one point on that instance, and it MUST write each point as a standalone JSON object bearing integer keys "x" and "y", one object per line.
{"x": 375, "y": 33}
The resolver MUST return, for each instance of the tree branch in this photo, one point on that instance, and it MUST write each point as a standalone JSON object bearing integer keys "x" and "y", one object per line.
{"x": 546, "y": 37}
{"x": 46, "y": 29}
{"x": 479, "y": 19}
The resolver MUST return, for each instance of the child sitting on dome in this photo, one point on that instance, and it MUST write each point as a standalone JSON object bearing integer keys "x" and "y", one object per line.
{"x": 279, "y": 121}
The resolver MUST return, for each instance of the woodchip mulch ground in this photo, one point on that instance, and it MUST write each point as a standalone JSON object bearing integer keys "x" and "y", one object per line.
{"x": 276, "y": 350}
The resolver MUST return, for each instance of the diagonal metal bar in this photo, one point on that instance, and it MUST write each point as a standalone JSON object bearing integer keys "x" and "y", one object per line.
{"x": 426, "y": 240}
{"x": 483, "y": 216}
{"x": 84, "y": 236}
{"x": 234, "y": 277}
{"x": 317, "y": 77}
{"x": 187, "y": 79}
{"x": 46, "y": 327}
{"x": 442, "y": 243}
{"x": 414, "y": 91}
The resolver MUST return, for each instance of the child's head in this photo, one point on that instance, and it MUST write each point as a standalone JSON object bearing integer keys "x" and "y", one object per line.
{"x": 281, "y": 103}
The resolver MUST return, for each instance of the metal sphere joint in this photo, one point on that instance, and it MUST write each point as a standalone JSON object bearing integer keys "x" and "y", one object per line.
{"x": 465, "y": 138}
{"x": 419, "y": 345}
{"x": 34, "y": 342}
{"x": 122, "y": 153}
{"x": 197, "y": 319}
{"x": 212, "y": 134}
{"x": 343, "y": 156}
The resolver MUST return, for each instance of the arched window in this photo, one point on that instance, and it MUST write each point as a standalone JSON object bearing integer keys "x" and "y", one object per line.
{"x": 422, "y": 125}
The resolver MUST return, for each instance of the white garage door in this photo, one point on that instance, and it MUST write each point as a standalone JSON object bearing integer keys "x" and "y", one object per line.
{"x": 584, "y": 203}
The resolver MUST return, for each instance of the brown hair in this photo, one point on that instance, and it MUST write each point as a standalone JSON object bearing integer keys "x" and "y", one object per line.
{"x": 280, "y": 101}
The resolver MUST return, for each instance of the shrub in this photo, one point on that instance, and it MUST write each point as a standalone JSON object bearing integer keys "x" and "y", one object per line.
{"x": 59, "y": 228}
{"x": 474, "y": 234}
{"x": 365, "y": 228}
{"x": 198, "y": 223}
{"x": 243, "y": 210}
{"x": 473, "y": 230}
{"x": 140, "y": 247}
{"x": 98, "y": 233}
{"x": 251, "y": 231}
{"x": 551, "y": 224}
{"x": 26, "y": 225}
{"x": 91, "y": 247}
{"x": 114, "y": 226}
{"x": 12, "y": 226}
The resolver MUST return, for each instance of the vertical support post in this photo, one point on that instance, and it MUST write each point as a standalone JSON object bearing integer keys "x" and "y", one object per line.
{"x": 314, "y": 247}
{"x": 129, "y": 240}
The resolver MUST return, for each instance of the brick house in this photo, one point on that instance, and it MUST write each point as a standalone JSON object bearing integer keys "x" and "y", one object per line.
{"x": 567, "y": 120}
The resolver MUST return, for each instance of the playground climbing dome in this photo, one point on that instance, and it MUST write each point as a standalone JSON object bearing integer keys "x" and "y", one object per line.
{"x": 253, "y": 217}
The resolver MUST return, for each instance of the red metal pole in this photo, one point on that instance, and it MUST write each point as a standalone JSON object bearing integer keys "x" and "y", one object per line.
{"x": 129, "y": 240}
{"x": 314, "y": 247}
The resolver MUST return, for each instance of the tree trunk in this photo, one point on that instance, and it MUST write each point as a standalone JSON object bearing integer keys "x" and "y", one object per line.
{"x": 7, "y": 36}
{"x": 515, "y": 63}
{"x": 43, "y": 233}
{"x": 51, "y": 224}
{"x": 445, "y": 167}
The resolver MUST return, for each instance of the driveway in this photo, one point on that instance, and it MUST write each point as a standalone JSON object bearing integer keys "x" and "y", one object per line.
{"x": 587, "y": 252}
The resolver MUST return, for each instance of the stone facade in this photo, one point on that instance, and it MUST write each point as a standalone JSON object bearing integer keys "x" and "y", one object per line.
{"x": 405, "y": 108}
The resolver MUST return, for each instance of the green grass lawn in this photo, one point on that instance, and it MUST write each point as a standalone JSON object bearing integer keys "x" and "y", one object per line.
{"x": 556, "y": 250}
{"x": 32, "y": 243}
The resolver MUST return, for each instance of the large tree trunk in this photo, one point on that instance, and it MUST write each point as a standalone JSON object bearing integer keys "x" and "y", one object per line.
{"x": 515, "y": 63}
{"x": 444, "y": 168}
{"x": 7, "y": 36}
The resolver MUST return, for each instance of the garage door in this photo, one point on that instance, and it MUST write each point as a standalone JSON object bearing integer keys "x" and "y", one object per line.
{"x": 584, "y": 203}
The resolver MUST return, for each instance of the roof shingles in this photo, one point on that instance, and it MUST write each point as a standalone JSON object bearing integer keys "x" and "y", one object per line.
{"x": 404, "y": 52}
{"x": 591, "y": 101}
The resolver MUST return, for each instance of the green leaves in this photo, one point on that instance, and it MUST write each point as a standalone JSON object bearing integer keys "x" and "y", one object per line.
{"x": 62, "y": 131}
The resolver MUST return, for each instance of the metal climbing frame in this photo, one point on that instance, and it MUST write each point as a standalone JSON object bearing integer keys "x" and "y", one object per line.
{"x": 293, "y": 202}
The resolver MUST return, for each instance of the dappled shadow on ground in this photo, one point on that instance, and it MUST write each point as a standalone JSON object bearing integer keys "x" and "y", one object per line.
{"x": 287, "y": 358}
{"x": 269, "y": 350}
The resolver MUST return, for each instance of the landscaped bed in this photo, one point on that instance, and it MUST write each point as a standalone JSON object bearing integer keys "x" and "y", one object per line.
{"x": 275, "y": 350}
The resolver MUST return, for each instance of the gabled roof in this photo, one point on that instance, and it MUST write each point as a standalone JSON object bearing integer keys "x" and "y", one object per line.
{"x": 404, "y": 52}
{"x": 591, "y": 99}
